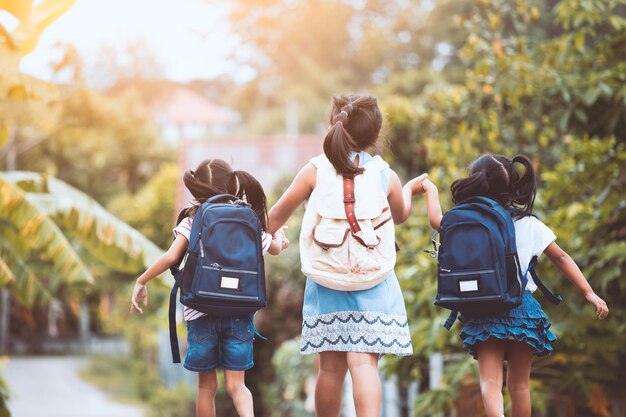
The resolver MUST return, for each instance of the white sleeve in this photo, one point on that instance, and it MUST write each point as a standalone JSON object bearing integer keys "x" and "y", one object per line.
{"x": 542, "y": 236}
{"x": 266, "y": 241}
{"x": 184, "y": 228}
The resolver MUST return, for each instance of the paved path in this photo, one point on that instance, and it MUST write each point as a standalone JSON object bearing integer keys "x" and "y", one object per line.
{"x": 51, "y": 387}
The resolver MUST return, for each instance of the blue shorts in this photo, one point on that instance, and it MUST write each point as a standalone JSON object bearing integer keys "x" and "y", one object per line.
{"x": 219, "y": 342}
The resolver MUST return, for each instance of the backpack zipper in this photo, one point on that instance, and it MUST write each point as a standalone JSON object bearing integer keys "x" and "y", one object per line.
{"x": 450, "y": 273}
{"x": 217, "y": 267}
{"x": 222, "y": 295}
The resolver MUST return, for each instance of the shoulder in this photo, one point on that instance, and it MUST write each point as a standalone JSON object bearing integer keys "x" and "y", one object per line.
{"x": 531, "y": 225}
{"x": 529, "y": 221}
{"x": 184, "y": 227}
{"x": 186, "y": 223}
{"x": 379, "y": 162}
{"x": 319, "y": 161}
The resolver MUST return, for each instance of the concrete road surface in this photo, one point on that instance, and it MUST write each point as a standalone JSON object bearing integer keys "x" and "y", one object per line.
{"x": 51, "y": 387}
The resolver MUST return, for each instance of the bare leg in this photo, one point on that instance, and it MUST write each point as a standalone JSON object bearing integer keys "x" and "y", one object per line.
{"x": 236, "y": 388}
{"x": 366, "y": 382}
{"x": 330, "y": 376}
{"x": 520, "y": 359}
{"x": 207, "y": 387}
{"x": 490, "y": 362}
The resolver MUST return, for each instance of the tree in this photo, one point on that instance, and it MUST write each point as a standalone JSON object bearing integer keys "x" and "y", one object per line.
{"x": 555, "y": 92}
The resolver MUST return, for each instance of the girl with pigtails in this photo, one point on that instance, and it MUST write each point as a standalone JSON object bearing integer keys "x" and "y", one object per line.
{"x": 515, "y": 335}
{"x": 350, "y": 329}
{"x": 215, "y": 342}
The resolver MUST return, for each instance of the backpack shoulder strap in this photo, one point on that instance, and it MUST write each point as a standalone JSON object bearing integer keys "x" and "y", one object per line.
{"x": 194, "y": 237}
{"x": 554, "y": 299}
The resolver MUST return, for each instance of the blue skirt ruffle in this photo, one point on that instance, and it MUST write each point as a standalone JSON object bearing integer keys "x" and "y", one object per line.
{"x": 525, "y": 323}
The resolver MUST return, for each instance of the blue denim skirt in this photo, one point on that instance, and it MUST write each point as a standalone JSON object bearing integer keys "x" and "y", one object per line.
{"x": 525, "y": 323}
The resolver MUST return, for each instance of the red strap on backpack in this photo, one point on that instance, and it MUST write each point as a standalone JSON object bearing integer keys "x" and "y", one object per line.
{"x": 348, "y": 202}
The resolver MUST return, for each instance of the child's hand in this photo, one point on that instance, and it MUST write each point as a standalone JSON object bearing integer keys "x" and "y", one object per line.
{"x": 280, "y": 233}
{"x": 417, "y": 184}
{"x": 140, "y": 294}
{"x": 602, "y": 310}
{"x": 279, "y": 242}
{"x": 428, "y": 185}
{"x": 285, "y": 241}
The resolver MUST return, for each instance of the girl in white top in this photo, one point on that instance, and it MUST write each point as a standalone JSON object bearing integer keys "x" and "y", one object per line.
{"x": 214, "y": 342}
{"x": 518, "y": 334}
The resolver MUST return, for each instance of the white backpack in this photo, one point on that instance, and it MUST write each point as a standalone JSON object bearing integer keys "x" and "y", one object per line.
{"x": 341, "y": 254}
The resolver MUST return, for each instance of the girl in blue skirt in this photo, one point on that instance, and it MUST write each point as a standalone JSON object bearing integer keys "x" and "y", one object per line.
{"x": 351, "y": 330}
{"x": 517, "y": 334}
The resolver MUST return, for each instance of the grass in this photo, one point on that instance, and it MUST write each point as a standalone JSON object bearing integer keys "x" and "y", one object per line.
{"x": 111, "y": 374}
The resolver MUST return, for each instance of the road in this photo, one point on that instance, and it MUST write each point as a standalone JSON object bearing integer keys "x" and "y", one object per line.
{"x": 52, "y": 387}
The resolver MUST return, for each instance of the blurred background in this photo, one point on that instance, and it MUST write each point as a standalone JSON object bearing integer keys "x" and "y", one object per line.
{"x": 104, "y": 104}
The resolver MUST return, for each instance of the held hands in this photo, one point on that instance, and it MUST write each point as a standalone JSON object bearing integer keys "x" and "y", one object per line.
{"x": 279, "y": 235}
{"x": 602, "y": 310}
{"x": 140, "y": 294}
{"x": 416, "y": 185}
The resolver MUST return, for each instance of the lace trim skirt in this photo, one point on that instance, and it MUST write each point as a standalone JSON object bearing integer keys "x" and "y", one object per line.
{"x": 372, "y": 321}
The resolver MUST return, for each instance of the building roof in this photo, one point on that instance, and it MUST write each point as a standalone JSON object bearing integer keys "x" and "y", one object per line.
{"x": 183, "y": 106}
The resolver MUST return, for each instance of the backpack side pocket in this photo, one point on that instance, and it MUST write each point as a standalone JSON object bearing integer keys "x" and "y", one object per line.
{"x": 189, "y": 271}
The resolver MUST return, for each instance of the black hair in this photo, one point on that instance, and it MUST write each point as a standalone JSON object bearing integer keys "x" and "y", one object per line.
{"x": 355, "y": 123}
{"x": 497, "y": 177}
{"x": 214, "y": 176}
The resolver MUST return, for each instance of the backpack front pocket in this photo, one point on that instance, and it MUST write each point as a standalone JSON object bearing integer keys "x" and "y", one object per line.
{"x": 330, "y": 249}
{"x": 228, "y": 284}
{"x": 337, "y": 250}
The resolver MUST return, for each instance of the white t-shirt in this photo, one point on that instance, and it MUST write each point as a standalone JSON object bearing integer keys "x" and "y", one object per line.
{"x": 532, "y": 238}
{"x": 184, "y": 228}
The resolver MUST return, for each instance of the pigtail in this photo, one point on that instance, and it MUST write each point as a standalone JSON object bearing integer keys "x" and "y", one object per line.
{"x": 252, "y": 192}
{"x": 524, "y": 189}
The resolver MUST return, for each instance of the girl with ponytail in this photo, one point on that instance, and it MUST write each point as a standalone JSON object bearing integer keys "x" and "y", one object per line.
{"x": 517, "y": 334}
{"x": 214, "y": 342}
{"x": 350, "y": 329}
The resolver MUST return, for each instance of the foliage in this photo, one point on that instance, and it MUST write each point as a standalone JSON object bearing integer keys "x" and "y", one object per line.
{"x": 4, "y": 397}
{"x": 293, "y": 371}
{"x": 281, "y": 321}
{"x": 151, "y": 209}
{"x": 100, "y": 143}
{"x": 54, "y": 242}
{"x": 390, "y": 47}
{"x": 178, "y": 402}
{"x": 548, "y": 83}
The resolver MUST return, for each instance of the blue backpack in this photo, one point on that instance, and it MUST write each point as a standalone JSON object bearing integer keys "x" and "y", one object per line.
{"x": 479, "y": 272}
{"x": 223, "y": 273}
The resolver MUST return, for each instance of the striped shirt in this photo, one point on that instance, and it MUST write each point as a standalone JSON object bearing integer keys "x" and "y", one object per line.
{"x": 184, "y": 228}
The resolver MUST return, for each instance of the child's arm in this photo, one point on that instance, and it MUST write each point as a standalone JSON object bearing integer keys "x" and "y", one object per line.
{"x": 279, "y": 242}
{"x": 164, "y": 262}
{"x": 299, "y": 190}
{"x": 399, "y": 197}
{"x": 568, "y": 267}
{"x": 433, "y": 207}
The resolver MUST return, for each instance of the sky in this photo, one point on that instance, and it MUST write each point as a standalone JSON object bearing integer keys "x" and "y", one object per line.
{"x": 189, "y": 38}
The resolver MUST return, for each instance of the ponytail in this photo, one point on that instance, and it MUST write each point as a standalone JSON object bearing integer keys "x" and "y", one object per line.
{"x": 524, "y": 188}
{"x": 252, "y": 192}
{"x": 355, "y": 122}
{"x": 338, "y": 144}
